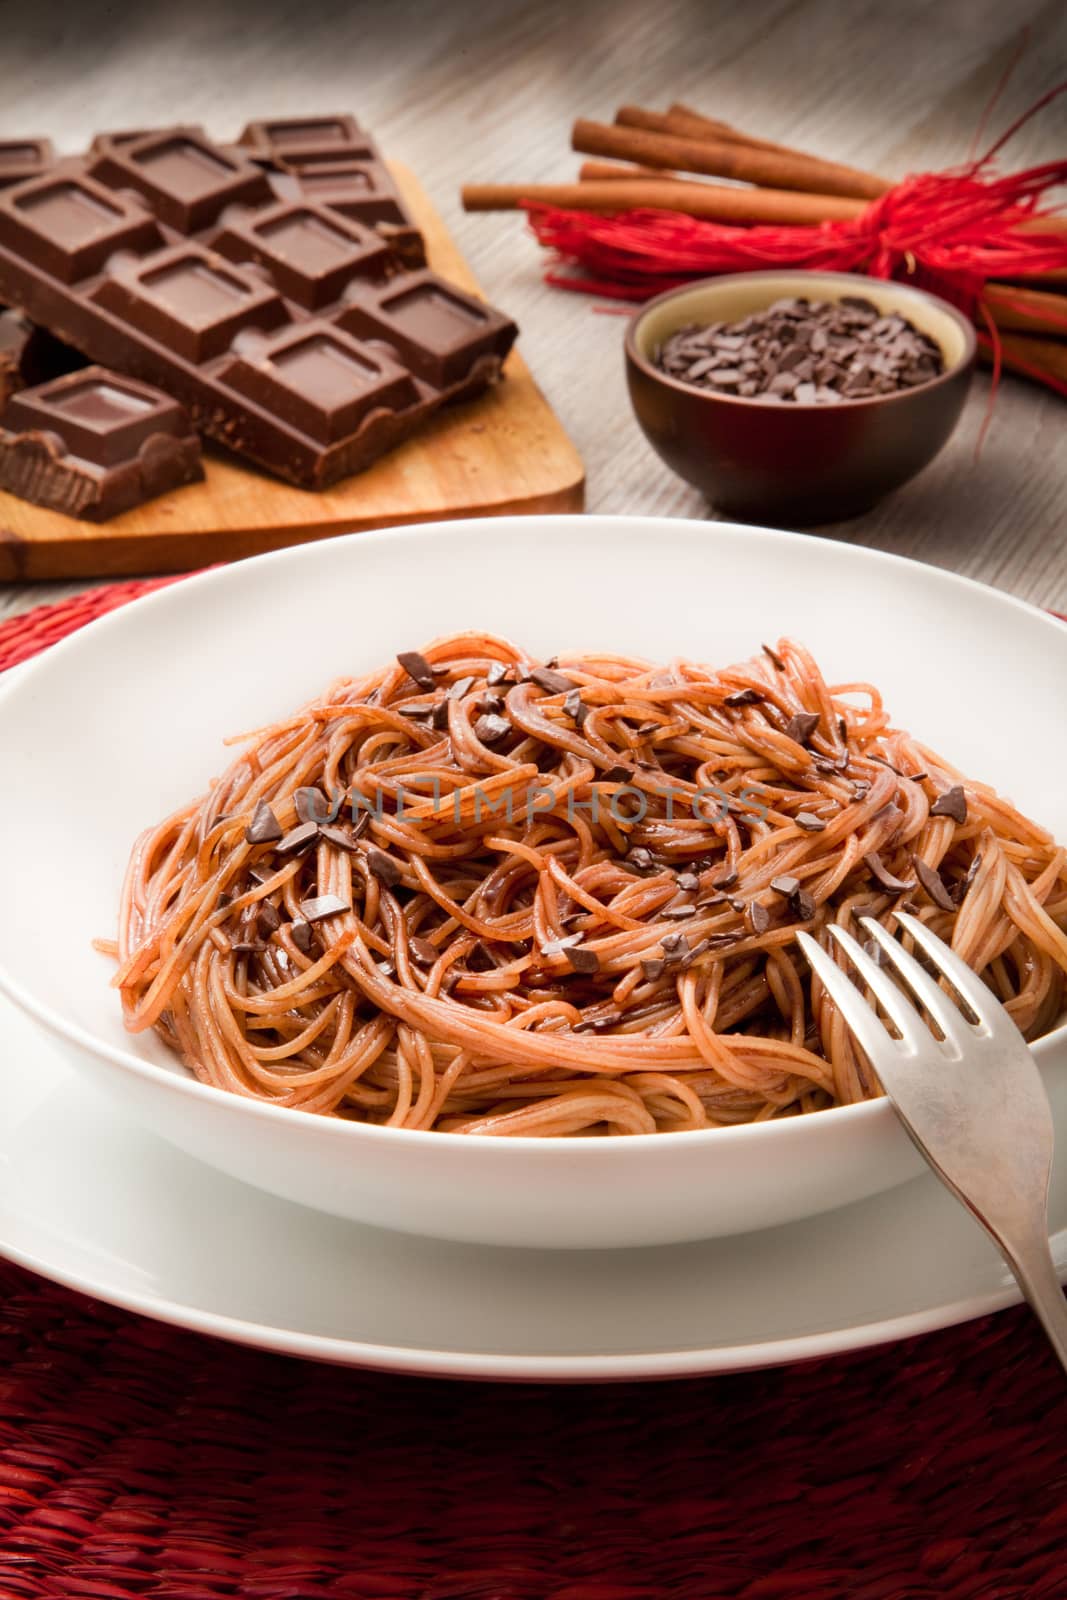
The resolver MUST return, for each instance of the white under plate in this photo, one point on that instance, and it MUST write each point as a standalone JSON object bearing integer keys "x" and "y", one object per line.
{"x": 93, "y": 1201}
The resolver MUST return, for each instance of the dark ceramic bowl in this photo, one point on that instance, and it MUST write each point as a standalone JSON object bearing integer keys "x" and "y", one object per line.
{"x": 795, "y": 463}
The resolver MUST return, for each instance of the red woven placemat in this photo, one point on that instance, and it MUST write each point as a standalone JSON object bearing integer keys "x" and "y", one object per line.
{"x": 138, "y": 1460}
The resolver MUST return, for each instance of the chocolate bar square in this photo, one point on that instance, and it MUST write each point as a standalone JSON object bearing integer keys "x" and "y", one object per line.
{"x": 321, "y": 380}
{"x": 190, "y": 300}
{"x": 69, "y": 226}
{"x": 102, "y": 142}
{"x": 184, "y": 179}
{"x": 312, "y": 159}
{"x": 281, "y": 136}
{"x": 362, "y": 190}
{"x": 309, "y": 252}
{"x": 92, "y": 444}
{"x": 100, "y": 416}
{"x": 436, "y": 329}
{"x": 24, "y": 158}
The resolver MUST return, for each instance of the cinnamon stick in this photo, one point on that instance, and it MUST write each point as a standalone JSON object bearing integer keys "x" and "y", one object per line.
{"x": 617, "y": 169}
{"x": 684, "y": 120}
{"x": 1032, "y": 358}
{"x": 711, "y": 201}
{"x": 717, "y": 159}
{"x": 1016, "y": 309}
{"x": 1055, "y": 225}
{"x": 684, "y": 123}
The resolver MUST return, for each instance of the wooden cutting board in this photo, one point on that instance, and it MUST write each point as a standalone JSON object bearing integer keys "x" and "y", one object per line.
{"x": 504, "y": 452}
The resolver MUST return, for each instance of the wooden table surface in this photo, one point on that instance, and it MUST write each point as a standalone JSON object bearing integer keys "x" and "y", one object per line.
{"x": 487, "y": 89}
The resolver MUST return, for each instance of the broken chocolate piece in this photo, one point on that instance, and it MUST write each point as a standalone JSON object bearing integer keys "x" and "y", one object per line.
{"x": 640, "y": 859}
{"x": 934, "y": 884}
{"x": 298, "y": 839}
{"x": 323, "y": 905}
{"x": 583, "y": 960}
{"x": 803, "y": 905}
{"x": 384, "y": 867}
{"x": 809, "y": 822}
{"x": 490, "y": 729}
{"x": 343, "y": 838}
{"x": 953, "y": 803}
{"x": 691, "y": 955}
{"x": 264, "y": 827}
{"x": 575, "y": 706}
{"x": 313, "y": 806}
{"x": 552, "y": 682}
{"x": 417, "y": 667}
{"x": 801, "y": 726}
{"x": 92, "y": 444}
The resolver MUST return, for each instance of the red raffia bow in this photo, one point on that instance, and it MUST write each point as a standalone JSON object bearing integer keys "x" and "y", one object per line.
{"x": 947, "y": 231}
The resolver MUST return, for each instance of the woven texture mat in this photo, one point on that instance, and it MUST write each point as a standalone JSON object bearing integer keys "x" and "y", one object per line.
{"x": 138, "y": 1460}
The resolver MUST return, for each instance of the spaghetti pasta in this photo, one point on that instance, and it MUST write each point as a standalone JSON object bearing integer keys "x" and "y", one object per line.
{"x": 475, "y": 893}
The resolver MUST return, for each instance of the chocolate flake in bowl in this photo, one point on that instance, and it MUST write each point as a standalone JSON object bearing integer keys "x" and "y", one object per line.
{"x": 804, "y": 352}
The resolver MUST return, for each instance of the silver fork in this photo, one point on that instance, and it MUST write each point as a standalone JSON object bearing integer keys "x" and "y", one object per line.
{"x": 973, "y": 1102}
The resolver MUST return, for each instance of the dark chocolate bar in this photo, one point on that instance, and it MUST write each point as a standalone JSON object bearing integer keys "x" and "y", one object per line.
{"x": 92, "y": 444}
{"x": 288, "y": 328}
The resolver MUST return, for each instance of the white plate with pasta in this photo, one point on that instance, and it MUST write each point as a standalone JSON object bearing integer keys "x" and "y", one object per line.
{"x": 484, "y": 924}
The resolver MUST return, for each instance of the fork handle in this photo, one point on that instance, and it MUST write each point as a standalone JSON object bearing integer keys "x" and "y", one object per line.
{"x": 1035, "y": 1272}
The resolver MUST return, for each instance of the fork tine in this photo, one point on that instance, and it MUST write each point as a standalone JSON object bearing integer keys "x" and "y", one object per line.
{"x": 897, "y": 1007}
{"x": 860, "y": 1017}
{"x": 944, "y": 1010}
{"x": 964, "y": 979}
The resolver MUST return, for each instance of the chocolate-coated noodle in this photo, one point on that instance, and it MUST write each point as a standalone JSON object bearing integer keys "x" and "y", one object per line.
{"x": 564, "y": 899}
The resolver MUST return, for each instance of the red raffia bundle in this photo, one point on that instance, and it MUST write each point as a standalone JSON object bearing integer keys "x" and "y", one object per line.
{"x": 955, "y": 232}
